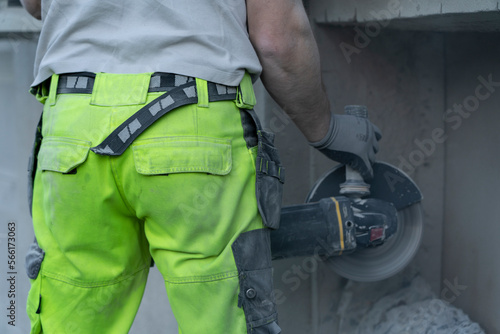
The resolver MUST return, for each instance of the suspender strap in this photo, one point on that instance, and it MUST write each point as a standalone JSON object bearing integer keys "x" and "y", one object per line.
{"x": 121, "y": 138}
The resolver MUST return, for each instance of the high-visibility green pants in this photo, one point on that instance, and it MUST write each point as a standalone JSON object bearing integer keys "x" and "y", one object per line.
{"x": 184, "y": 193}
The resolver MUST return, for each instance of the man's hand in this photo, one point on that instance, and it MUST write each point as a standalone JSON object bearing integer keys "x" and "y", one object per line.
{"x": 351, "y": 140}
{"x": 34, "y": 7}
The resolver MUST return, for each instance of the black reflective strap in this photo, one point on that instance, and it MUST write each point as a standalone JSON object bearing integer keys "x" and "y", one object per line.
{"x": 162, "y": 82}
{"x": 83, "y": 82}
{"x": 77, "y": 83}
{"x": 180, "y": 91}
{"x": 121, "y": 138}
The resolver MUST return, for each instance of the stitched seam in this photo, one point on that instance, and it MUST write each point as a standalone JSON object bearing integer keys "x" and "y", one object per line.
{"x": 97, "y": 284}
{"x": 119, "y": 187}
{"x": 188, "y": 138}
{"x": 201, "y": 279}
{"x": 174, "y": 170}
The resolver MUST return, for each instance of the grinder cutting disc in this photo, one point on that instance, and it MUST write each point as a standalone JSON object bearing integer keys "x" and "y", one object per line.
{"x": 392, "y": 185}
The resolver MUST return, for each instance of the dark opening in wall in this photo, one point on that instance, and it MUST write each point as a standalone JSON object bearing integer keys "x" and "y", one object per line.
{"x": 14, "y": 3}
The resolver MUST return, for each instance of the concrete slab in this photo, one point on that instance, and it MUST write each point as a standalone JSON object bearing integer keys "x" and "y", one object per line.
{"x": 446, "y": 15}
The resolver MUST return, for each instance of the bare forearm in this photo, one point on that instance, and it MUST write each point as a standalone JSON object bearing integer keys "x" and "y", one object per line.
{"x": 295, "y": 84}
{"x": 290, "y": 60}
{"x": 34, "y": 7}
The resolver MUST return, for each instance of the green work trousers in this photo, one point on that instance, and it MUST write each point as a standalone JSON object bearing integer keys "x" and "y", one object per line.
{"x": 183, "y": 194}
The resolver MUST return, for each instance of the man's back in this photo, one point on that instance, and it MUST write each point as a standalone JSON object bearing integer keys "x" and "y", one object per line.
{"x": 197, "y": 38}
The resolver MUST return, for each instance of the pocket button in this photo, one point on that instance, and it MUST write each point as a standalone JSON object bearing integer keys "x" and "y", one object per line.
{"x": 251, "y": 293}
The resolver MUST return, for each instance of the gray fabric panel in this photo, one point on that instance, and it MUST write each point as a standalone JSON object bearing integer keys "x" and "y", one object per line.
{"x": 34, "y": 259}
{"x": 271, "y": 328}
{"x": 249, "y": 129}
{"x": 252, "y": 250}
{"x": 252, "y": 254}
{"x": 270, "y": 179}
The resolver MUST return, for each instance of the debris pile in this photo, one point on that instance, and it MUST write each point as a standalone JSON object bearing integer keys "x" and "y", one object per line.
{"x": 379, "y": 308}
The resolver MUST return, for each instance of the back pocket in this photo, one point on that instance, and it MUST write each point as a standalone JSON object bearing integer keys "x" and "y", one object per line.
{"x": 187, "y": 154}
{"x": 61, "y": 154}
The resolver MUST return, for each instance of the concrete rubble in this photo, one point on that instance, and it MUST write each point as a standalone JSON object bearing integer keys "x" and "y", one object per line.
{"x": 400, "y": 305}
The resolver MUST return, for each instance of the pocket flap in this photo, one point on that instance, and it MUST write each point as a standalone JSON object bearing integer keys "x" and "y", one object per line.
{"x": 183, "y": 155}
{"x": 61, "y": 154}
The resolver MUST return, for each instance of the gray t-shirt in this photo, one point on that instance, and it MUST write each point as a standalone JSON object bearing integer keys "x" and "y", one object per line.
{"x": 207, "y": 39}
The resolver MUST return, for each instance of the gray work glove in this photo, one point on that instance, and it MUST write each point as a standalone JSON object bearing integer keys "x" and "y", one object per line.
{"x": 353, "y": 141}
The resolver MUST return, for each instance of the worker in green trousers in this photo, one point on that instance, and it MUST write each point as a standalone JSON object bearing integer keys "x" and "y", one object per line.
{"x": 149, "y": 150}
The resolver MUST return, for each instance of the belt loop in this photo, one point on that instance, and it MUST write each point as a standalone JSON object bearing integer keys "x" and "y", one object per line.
{"x": 41, "y": 91}
{"x": 54, "y": 81}
{"x": 112, "y": 89}
{"x": 202, "y": 91}
{"x": 245, "y": 97}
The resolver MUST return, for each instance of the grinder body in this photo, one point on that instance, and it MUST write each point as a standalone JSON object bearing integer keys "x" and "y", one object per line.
{"x": 366, "y": 231}
{"x": 364, "y": 239}
{"x": 332, "y": 227}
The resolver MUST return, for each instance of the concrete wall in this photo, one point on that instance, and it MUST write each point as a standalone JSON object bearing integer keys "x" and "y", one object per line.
{"x": 19, "y": 114}
{"x": 400, "y": 77}
{"x": 412, "y": 82}
{"x": 471, "y": 265}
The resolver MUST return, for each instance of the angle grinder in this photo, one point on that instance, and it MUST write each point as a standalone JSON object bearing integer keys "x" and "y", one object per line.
{"x": 366, "y": 231}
